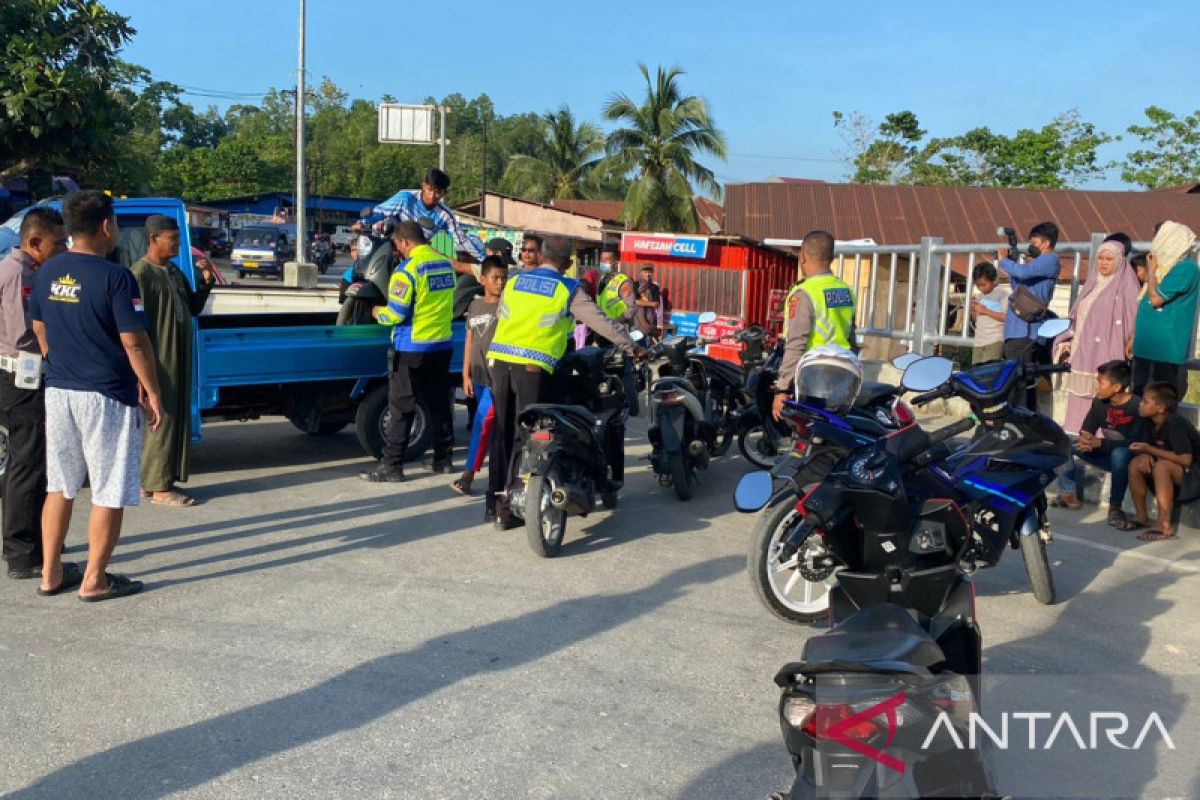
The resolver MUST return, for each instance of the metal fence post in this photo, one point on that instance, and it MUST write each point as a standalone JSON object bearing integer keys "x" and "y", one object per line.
{"x": 929, "y": 268}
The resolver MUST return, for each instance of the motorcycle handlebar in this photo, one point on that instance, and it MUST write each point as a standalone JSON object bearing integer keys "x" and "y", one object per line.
{"x": 953, "y": 429}
{"x": 929, "y": 397}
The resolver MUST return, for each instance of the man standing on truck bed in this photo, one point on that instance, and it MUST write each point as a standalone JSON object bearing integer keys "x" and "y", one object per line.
{"x": 818, "y": 310}
{"x": 428, "y": 203}
{"x": 170, "y": 304}
{"x": 420, "y": 307}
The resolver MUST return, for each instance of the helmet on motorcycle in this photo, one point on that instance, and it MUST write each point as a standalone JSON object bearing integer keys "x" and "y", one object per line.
{"x": 829, "y": 376}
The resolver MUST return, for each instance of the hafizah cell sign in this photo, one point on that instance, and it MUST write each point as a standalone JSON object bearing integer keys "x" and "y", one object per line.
{"x": 665, "y": 244}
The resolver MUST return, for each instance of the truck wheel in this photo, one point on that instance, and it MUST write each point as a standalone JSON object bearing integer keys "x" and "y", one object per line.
{"x": 330, "y": 427}
{"x": 372, "y": 418}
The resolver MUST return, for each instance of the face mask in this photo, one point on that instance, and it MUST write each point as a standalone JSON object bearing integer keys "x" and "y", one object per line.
{"x": 604, "y": 268}
{"x": 1033, "y": 251}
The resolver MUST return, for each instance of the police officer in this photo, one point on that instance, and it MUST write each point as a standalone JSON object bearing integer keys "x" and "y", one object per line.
{"x": 536, "y": 312}
{"x": 420, "y": 308}
{"x": 818, "y": 310}
{"x": 616, "y": 295}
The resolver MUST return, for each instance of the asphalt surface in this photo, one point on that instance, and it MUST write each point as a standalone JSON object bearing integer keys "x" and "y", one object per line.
{"x": 304, "y": 634}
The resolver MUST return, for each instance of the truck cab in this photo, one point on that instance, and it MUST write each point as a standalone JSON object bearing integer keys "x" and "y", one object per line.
{"x": 261, "y": 250}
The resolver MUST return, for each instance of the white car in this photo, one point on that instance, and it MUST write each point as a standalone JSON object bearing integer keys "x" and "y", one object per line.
{"x": 342, "y": 236}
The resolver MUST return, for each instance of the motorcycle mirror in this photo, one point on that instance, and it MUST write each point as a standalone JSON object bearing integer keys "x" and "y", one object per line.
{"x": 1053, "y": 327}
{"x": 905, "y": 361}
{"x": 707, "y": 317}
{"x": 637, "y": 336}
{"x": 753, "y": 491}
{"x": 927, "y": 373}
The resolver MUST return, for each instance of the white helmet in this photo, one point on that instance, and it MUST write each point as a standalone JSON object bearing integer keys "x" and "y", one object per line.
{"x": 829, "y": 376}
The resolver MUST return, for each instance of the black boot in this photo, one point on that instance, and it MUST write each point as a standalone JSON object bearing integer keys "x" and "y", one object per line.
{"x": 382, "y": 474}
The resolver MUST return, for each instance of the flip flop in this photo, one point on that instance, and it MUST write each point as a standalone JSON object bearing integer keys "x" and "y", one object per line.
{"x": 1116, "y": 518}
{"x": 72, "y": 577}
{"x": 1130, "y": 525}
{"x": 462, "y": 487}
{"x": 1156, "y": 535}
{"x": 177, "y": 499}
{"x": 1059, "y": 502}
{"x": 118, "y": 586}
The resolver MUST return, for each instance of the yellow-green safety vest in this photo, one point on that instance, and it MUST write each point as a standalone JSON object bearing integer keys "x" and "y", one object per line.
{"x": 610, "y": 301}
{"x": 534, "y": 319}
{"x": 833, "y": 310}
{"x": 421, "y": 302}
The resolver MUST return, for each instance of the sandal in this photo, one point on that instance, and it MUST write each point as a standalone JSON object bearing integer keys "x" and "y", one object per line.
{"x": 72, "y": 577}
{"x": 1130, "y": 525}
{"x": 1116, "y": 518}
{"x": 174, "y": 498}
{"x": 1156, "y": 535}
{"x": 1061, "y": 501}
{"x": 462, "y": 486}
{"x": 118, "y": 586}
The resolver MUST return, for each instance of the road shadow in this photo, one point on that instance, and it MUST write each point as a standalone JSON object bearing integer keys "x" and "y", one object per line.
{"x": 750, "y": 775}
{"x": 177, "y": 760}
{"x": 1040, "y": 673}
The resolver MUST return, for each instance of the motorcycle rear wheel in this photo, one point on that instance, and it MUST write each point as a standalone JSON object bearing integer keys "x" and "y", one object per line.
{"x": 681, "y": 475}
{"x": 545, "y": 526}
{"x": 756, "y": 448}
{"x": 780, "y": 587}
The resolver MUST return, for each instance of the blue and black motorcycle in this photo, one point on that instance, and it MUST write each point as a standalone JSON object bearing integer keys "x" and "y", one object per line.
{"x": 997, "y": 479}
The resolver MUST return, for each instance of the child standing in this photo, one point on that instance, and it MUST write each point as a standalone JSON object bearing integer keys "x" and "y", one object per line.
{"x": 989, "y": 307}
{"x": 1165, "y": 456}
{"x": 476, "y": 381}
{"x": 1114, "y": 414}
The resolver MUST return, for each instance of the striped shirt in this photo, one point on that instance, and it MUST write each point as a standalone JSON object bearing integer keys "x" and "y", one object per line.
{"x": 407, "y": 205}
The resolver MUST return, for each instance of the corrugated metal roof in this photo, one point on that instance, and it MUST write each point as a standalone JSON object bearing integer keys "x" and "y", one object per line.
{"x": 959, "y": 215}
{"x": 903, "y": 214}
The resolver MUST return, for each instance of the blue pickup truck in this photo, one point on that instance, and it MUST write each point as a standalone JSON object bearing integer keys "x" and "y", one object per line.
{"x": 261, "y": 352}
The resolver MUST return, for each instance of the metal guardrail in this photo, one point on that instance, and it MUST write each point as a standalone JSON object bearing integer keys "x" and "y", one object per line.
{"x": 923, "y": 306}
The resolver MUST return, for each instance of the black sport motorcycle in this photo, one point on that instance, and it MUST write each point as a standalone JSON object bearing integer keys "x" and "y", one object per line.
{"x": 567, "y": 447}
{"x": 905, "y": 648}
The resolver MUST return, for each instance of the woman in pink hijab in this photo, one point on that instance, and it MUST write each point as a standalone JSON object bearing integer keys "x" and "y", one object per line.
{"x": 1103, "y": 318}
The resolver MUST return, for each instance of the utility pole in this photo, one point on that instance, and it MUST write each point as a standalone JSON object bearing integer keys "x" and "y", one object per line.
{"x": 441, "y": 137}
{"x": 483, "y": 174}
{"x": 301, "y": 198}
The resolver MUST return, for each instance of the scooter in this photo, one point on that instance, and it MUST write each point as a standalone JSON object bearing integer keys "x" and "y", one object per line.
{"x": 568, "y": 447}
{"x": 323, "y": 255}
{"x": 905, "y": 648}
{"x": 371, "y": 272}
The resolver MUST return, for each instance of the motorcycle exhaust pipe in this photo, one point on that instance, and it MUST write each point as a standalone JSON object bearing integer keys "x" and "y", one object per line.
{"x": 570, "y": 499}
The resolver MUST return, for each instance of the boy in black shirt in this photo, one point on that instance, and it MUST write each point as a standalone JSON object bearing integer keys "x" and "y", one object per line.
{"x": 1164, "y": 455}
{"x": 481, "y": 325}
{"x": 1114, "y": 414}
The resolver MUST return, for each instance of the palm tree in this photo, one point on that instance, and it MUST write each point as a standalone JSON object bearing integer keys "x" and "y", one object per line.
{"x": 563, "y": 163}
{"x": 658, "y": 145}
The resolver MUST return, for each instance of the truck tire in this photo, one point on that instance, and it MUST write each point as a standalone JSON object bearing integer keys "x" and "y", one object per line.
{"x": 372, "y": 416}
{"x": 330, "y": 427}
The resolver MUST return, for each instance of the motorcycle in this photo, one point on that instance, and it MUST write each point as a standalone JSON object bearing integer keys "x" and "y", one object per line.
{"x": 694, "y": 406}
{"x": 904, "y": 643}
{"x": 998, "y": 478}
{"x": 369, "y": 283}
{"x": 566, "y": 447}
{"x": 323, "y": 255}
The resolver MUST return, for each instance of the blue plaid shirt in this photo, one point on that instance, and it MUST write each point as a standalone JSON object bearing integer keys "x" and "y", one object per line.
{"x": 407, "y": 205}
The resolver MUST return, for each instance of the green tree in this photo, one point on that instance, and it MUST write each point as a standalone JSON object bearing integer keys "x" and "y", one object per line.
{"x": 563, "y": 163}
{"x": 657, "y": 146}
{"x": 1171, "y": 150}
{"x": 882, "y": 155}
{"x": 60, "y": 78}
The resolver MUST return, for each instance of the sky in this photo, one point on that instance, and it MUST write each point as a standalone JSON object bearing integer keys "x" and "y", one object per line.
{"x": 772, "y": 72}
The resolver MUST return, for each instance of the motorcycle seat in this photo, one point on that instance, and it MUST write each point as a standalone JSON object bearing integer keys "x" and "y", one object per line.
{"x": 582, "y": 414}
{"x": 872, "y": 392}
{"x": 672, "y": 382}
{"x": 879, "y": 638}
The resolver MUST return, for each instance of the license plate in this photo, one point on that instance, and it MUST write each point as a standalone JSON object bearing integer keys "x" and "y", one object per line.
{"x": 250, "y": 264}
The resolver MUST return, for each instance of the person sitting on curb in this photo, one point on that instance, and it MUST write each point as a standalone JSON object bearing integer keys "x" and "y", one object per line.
{"x": 1114, "y": 414}
{"x": 1165, "y": 455}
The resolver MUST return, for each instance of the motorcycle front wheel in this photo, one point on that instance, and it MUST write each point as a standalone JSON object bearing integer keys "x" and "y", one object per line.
{"x": 545, "y": 526}
{"x": 1037, "y": 564}
{"x": 779, "y": 585}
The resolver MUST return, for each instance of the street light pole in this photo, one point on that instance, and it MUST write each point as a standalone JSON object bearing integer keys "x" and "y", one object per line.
{"x": 301, "y": 198}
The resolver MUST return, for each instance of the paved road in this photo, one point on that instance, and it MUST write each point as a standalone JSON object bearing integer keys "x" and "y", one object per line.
{"x": 329, "y": 279}
{"x": 307, "y": 635}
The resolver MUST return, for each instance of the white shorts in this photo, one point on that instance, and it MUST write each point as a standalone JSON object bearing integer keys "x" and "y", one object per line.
{"x": 91, "y": 435}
